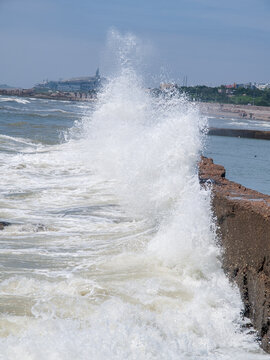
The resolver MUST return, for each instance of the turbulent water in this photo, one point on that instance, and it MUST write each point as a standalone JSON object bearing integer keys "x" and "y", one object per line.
{"x": 112, "y": 250}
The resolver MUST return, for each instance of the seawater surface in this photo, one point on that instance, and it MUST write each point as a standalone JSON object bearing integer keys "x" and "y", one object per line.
{"x": 111, "y": 252}
{"x": 247, "y": 161}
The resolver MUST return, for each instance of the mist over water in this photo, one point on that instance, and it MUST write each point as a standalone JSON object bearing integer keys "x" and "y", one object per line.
{"x": 112, "y": 253}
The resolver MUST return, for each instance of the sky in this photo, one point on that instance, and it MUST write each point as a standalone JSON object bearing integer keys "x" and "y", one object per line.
{"x": 211, "y": 42}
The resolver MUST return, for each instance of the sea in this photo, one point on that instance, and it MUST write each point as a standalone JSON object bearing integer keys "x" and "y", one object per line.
{"x": 111, "y": 251}
{"x": 247, "y": 161}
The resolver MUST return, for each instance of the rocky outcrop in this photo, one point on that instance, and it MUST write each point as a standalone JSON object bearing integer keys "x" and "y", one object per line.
{"x": 243, "y": 218}
{"x": 3, "y": 224}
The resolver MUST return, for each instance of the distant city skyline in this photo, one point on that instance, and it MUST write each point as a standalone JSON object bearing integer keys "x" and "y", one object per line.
{"x": 208, "y": 42}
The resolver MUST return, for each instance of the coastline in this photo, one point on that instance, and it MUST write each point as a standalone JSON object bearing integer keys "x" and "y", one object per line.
{"x": 235, "y": 111}
{"x": 208, "y": 109}
{"x": 243, "y": 219}
{"x": 63, "y": 96}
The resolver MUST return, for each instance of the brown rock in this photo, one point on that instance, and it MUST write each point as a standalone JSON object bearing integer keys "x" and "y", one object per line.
{"x": 3, "y": 224}
{"x": 243, "y": 217}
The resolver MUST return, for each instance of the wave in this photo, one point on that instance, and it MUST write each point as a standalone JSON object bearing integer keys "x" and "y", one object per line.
{"x": 14, "y": 99}
{"x": 10, "y": 108}
{"x": 59, "y": 111}
{"x": 18, "y": 140}
{"x": 49, "y": 114}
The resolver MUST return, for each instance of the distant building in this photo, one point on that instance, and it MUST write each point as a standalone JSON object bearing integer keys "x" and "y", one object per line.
{"x": 233, "y": 86}
{"x": 245, "y": 86}
{"x": 166, "y": 86}
{"x": 262, "y": 86}
{"x": 80, "y": 84}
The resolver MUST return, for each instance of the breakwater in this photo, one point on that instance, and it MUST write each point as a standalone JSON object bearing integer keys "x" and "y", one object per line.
{"x": 251, "y": 134}
{"x": 56, "y": 95}
{"x": 243, "y": 218}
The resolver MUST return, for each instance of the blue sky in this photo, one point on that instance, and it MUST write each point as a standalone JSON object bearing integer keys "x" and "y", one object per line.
{"x": 210, "y": 41}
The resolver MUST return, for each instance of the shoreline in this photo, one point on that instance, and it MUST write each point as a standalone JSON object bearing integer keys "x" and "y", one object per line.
{"x": 250, "y": 112}
{"x": 62, "y": 96}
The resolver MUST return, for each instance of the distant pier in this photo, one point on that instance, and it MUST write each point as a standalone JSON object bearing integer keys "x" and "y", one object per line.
{"x": 250, "y": 134}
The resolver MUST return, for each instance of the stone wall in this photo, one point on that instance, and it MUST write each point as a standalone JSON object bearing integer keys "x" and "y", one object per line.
{"x": 243, "y": 218}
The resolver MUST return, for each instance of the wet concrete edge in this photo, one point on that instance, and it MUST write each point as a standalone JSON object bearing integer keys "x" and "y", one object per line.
{"x": 243, "y": 219}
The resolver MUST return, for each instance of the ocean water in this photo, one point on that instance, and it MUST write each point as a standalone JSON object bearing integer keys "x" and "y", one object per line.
{"x": 112, "y": 249}
{"x": 238, "y": 123}
{"x": 247, "y": 161}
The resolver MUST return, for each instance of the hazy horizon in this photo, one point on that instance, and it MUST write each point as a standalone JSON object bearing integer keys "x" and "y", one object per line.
{"x": 209, "y": 43}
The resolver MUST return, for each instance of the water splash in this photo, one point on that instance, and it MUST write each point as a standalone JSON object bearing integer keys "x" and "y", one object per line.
{"x": 149, "y": 145}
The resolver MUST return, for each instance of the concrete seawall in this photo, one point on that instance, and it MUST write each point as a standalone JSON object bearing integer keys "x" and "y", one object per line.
{"x": 243, "y": 218}
{"x": 251, "y": 134}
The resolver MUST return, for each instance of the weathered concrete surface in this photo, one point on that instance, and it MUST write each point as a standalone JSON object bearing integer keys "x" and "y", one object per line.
{"x": 243, "y": 217}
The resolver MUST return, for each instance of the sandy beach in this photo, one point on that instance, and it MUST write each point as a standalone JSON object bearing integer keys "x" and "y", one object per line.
{"x": 236, "y": 111}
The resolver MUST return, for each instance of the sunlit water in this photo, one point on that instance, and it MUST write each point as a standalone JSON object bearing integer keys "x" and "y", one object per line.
{"x": 247, "y": 161}
{"x": 112, "y": 249}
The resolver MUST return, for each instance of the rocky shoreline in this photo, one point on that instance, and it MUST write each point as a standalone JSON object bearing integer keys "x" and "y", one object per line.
{"x": 243, "y": 218}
